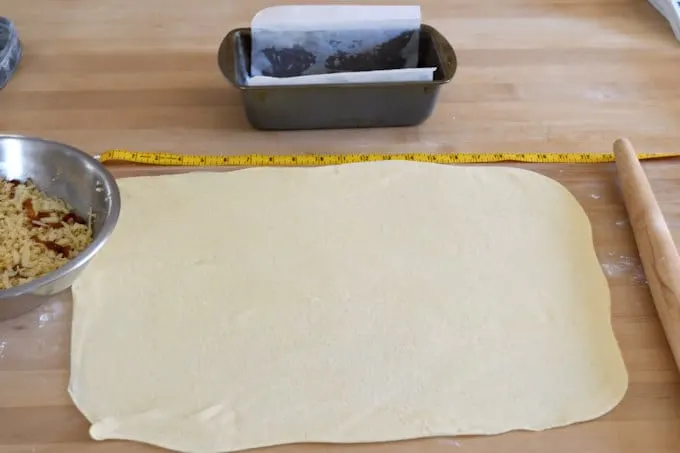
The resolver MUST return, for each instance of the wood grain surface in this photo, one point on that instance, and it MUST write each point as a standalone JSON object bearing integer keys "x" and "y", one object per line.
{"x": 534, "y": 75}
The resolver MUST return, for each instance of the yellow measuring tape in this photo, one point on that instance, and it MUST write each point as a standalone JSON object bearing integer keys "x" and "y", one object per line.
{"x": 263, "y": 160}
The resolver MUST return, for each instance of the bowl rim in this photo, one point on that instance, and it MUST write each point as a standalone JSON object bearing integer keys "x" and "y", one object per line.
{"x": 111, "y": 187}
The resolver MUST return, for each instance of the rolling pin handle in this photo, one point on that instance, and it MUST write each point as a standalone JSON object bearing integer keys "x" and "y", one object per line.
{"x": 658, "y": 252}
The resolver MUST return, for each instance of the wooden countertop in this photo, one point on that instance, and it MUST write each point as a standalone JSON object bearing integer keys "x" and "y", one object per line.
{"x": 534, "y": 75}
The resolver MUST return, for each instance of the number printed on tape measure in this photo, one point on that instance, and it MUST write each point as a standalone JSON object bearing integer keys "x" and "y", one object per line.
{"x": 263, "y": 160}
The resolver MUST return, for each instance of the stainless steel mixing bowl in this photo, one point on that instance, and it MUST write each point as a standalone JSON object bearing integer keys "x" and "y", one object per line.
{"x": 74, "y": 176}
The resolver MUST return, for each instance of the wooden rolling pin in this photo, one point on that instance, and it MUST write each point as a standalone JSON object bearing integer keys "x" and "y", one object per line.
{"x": 658, "y": 253}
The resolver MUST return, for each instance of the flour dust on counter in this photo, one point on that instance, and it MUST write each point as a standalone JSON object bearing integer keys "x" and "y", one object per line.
{"x": 356, "y": 303}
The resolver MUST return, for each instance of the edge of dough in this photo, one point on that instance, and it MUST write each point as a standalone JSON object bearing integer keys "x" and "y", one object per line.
{"x": 601, "y": 275}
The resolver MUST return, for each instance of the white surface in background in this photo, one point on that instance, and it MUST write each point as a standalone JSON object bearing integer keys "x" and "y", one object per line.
{"x": 335, "y": 17}
{"x": 670, "y": 9}
{"x": 391, "y": 75}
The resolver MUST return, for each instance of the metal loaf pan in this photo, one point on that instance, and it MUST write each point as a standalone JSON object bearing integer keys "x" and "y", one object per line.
{"x": 338, "y": 106}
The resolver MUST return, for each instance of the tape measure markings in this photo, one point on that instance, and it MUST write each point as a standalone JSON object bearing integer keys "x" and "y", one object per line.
{"x": 261, "y": 160}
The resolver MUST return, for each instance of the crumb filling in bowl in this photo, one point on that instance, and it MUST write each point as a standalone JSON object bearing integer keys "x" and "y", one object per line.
{"x": 38, "y": 233}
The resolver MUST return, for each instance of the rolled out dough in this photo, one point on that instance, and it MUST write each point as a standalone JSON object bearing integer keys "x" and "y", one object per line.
{"x": 361, "y": 303}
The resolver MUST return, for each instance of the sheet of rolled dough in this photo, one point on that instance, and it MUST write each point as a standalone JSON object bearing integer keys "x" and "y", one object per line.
{"x": 361, "y": 303}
